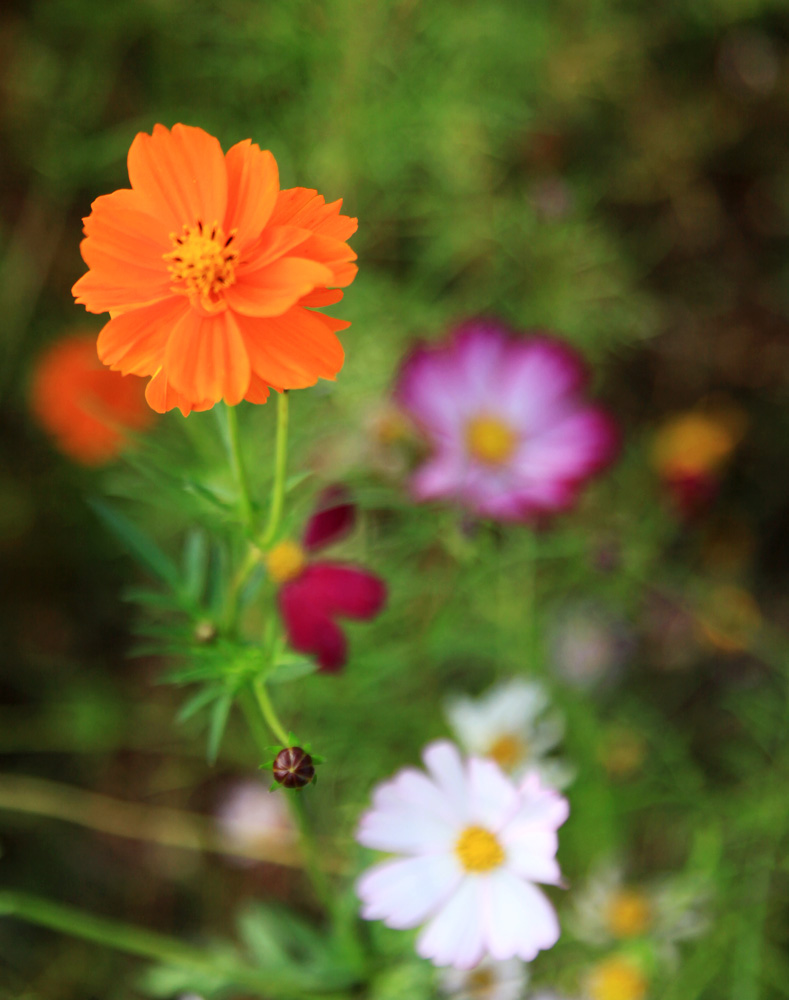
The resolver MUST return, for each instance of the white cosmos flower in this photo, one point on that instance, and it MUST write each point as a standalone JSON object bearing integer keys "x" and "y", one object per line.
{"x": 513, "y": 724}
{"x": 489, "y": 981}
{"x": 474, "y": 844}
{"x": 607, "y": 910}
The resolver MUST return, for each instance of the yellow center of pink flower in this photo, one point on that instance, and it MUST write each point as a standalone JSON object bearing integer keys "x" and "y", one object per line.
{"x": 479, "y": 850}
{"x": 508, "y": 751}
{"x": 490, "y": 440}
{"x": 628, "y": 914}
{"x": 617, "y": 979}
{"x": 204, "y": 259}
{"x": 285, "y": 561}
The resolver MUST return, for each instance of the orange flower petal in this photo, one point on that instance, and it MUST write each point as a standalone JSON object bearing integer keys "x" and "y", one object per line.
{"x": 135, "y": 342}
{"x": 335, "y": 254}
{"x": 273, "y": 289}
{"x": 275, "y": 242}
{"x": 294, "y": 350}
{"x": 206, "y": 358}
{"x": 162, "y": 397}
{"x": 305, "y": 207}
{"x": 180, "y": 175}
{"x": 84, "y": 406}
{"x": 258, "y": 390}
{"x": 321, "y": 297}
{"x": 252, "y": 189}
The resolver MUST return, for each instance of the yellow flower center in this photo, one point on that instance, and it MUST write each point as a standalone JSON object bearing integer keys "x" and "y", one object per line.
{"x": 508, "y": 751}
{"x": 490, "y": 440}
{"x": 480, "y": 983}
{"x": 478, "y": 850}
{"x": 628, "y": 914}
{"x": 617, "y": 979}
{"x": 285, "y": 561}
{"x": 204, "y": 259}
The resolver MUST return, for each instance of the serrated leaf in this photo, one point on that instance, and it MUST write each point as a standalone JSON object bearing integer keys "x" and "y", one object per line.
{"x": 217, "y": 724}
{"x": 138, "y": 544}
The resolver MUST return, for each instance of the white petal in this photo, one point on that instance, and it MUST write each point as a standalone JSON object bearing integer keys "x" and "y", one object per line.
{"x": 541, "y": 806}
{"x": 413, "y": 791}
{"x": 493, "y": 797}
{"x": 446, "y": 767}
{"x": 519, "y": 920}
{"x": 531, "y": 853}
{"x": 405, "y": 892}
{"x": 402, "y": 831}
{"x": 455, "y": 936}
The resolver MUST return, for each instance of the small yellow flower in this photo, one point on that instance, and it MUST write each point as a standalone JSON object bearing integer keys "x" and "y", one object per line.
{"x": 629, "y": 914}
{"x": 617, "y": 978}
{"x": 697, "y": 442}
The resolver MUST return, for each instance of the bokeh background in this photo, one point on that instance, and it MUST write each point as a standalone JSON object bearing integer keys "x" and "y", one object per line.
{"x": 615, "y": 171}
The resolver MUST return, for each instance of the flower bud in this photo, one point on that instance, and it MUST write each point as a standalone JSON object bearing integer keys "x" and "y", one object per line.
{"x": 293, "y": 767}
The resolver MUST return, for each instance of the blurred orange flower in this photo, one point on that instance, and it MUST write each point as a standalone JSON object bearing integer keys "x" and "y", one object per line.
{"x": 87, "y": 409}
{"x": 691, "y": 449}
{"x": 211, "y": 273}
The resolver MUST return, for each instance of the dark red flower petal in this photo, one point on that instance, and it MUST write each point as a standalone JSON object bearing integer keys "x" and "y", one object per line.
{"x": 333, "y": 518}
{"x": 343, "y": 590}
{"x": 310, "y": 629}
{"x": 320, "y": 593}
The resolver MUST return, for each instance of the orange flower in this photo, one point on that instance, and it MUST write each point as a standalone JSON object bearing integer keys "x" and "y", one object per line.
{"x": 87, "y": 409}
{"x": 211, "y": 273}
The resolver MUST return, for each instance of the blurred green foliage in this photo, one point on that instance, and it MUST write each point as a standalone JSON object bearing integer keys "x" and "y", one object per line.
{"x": 611, "y": 170}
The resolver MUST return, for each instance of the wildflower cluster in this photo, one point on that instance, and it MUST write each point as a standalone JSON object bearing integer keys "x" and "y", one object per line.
{"x": 215, "y": 279}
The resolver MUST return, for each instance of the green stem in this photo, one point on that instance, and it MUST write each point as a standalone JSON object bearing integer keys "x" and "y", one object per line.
{"x": 267, "y": 711}
{"x": 309, "y": 846}
{"x": 146, "y": 944}
{"x": 234, "y": 448}
{"x": 280, "y": 466}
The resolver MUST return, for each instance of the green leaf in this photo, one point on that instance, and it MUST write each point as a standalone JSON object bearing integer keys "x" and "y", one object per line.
{"x": 195, "y": 563}
{"x": 197, "y": 701}
{"x": 291, "y": 669}
{"x": 139, "y": 545}
{"x": 216, "y": 727}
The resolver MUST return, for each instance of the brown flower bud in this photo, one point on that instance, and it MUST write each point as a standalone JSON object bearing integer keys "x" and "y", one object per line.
{"x": 293, "y": 767}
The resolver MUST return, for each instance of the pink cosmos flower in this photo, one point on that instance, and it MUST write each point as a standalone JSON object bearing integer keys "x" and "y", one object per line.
{"x": 511, "y": 433}
{"x": 313, "y": 594}
{"x": 473, "y": 843}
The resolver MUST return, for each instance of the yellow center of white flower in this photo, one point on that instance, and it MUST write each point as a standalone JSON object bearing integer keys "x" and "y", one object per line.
{"x": 479, "y": 850}
{"x": 508, "y": 751}
{"x": 480, "y": 983}
{"x": 285, "y": 561}
{"x": 490, "y": 439}
{"x": 628, "y": 914}
{"x": 204, "y": 259}
{"x": 617, "y": 979}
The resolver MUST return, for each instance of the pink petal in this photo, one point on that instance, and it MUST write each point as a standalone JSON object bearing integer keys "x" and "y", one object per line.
{"x": 572, "y": 449}
{"x": 542, "y": 379}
